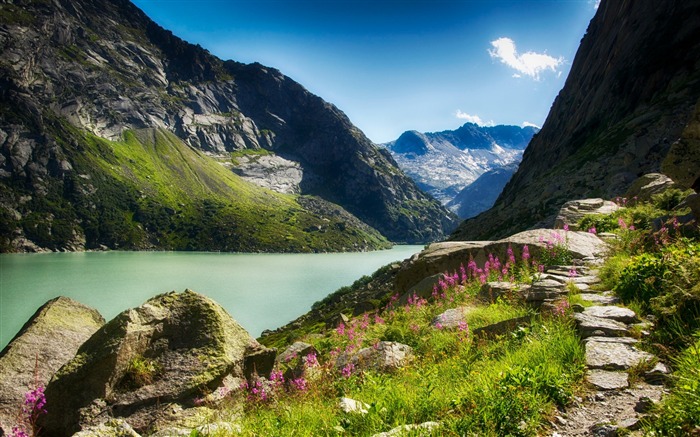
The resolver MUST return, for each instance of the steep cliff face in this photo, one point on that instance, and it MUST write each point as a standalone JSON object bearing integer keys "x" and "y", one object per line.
{"x": 75, "y": 73}
{"x": 630, "y": 96}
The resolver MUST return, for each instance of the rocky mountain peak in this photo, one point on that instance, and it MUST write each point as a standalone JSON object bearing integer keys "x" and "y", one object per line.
{"x": 77, "y": 72}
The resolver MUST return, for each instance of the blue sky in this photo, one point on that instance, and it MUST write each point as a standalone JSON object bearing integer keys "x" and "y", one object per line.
{"x": 391, "y": 65}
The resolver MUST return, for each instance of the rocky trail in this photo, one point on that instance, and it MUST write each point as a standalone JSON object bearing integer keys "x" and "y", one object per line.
{"x": 624, "y": 380}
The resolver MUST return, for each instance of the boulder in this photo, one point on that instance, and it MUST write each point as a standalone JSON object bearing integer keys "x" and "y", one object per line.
{"x": 502, "y": 327}
{"x": 422, "y": 289}
{"x": 292, "y": 362}
{"x": 450, "y": 255}
{"x": 614, "y": 356}
{"x": 624, "y": 315}
{"x": 46, "y": 342}
{"x": 649, "y": 185}
{"x": 111, "y": 428}
{"x": 384, "y": 356}
{"x": 450, "y": 319}
{"x": 573, "y": 211}
{"x": 491, "y": 291}
{"x": 171, "y": 350}
{"x": 589, "y": 325}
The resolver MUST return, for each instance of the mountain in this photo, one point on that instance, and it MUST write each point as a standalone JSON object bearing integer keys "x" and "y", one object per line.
{"x": 629, "y": 107}
{"x": 482, "y": 193}
{"x": 115, "y": 133}
{"x": 445, "y": 163}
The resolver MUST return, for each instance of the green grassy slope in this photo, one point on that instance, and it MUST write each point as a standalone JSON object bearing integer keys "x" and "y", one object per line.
{"x": 151, "y": 191}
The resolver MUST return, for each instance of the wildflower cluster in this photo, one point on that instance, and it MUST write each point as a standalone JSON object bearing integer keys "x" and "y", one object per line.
{"x": 34, "y": 406}
{"x": 556, "y": 249}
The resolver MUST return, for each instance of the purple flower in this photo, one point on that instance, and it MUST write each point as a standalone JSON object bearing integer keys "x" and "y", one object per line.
{"x": 592, "y": 231}
{"x": 311, "y": 360}
{"x": 299, "y": 384}
{"x": 526, "y": 252}
{"x": 348, "y": 370}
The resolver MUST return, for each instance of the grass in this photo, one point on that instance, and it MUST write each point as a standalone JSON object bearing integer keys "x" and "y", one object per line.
{"x": 150, "y": 190}
{"x": 508, "y": 384}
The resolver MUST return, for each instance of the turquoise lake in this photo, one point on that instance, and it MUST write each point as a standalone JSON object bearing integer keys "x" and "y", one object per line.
{"x": 260, "y": 291}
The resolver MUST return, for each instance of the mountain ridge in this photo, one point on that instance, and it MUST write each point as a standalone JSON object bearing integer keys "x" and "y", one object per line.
{"x": 445, "y": 163}
{"x": 105, "y": 68}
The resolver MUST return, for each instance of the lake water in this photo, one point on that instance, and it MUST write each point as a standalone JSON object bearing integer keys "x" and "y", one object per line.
{"x": 260, "y": 291}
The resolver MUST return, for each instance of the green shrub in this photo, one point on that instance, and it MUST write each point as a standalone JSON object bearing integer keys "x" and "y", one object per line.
{"x": 679, "y": 414}
{"x": 641, "y": 278}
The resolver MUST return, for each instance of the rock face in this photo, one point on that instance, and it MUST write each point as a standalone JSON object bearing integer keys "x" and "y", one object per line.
{"x": 385, "y": 356}
{"x": 47, "y": 341}
{"x": 481, "y": 194}
{"x": 631, "y": 94}
{"x": 575, "y": 210}
{"x": 648, "y": 185}
{"x": 81, "y": 71}
{"x": 172, "y": 349}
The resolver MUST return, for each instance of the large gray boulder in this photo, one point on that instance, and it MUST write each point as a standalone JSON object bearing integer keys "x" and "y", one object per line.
{"x": 47, "y": 341}
{"x": 448, "y": 256}
{"x": 649, "y": 185}
{"x": 385, "y": 356}
{"x": 170, "y": 350}
{"x": 573, "y": 211}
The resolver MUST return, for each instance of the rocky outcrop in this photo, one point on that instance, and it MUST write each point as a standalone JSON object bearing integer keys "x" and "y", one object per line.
{"x": 47, "y": 341}
{"x": 630, "y": 99}
{"x": 649, "y": 185}
{"x": 574, "y": 210}
{"x": 384, "y": 356}
{"x": 172, "y": 349}
{"x": 82, "y": 71}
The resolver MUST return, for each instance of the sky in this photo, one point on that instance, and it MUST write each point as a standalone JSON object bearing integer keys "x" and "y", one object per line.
{"x": 398, "y": 65}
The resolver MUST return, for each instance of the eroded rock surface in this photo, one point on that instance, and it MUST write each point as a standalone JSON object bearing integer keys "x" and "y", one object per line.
{"x": 47, "y": 341}
{"x": 173, "y": 348}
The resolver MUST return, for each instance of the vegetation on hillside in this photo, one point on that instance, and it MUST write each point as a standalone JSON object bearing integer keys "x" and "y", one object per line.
{"x": 151, "y": 191}
{"x": 507, "y": 384}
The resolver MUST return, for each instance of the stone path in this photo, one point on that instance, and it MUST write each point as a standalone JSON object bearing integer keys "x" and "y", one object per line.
{"x": 616, "y": 402}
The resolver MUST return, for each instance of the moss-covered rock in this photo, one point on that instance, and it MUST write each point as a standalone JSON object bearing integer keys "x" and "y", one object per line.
{"x": 47, "y": 341}
{"x": 184, "y": 342}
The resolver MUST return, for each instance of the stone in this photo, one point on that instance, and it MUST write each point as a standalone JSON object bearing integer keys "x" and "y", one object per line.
{"x": 385, "y": 356}
{"x": 644, "y": 405}
{"x": 624, "y": 315}
{"x": 574, "y": 210}
{"x": 491, "y": 291}
{"x": 219, "y": 428}
{"x": 614, "y": 356}
{"x": 450, "y": 319}
{"x": 622, "y": 340}
{"x": 422, "y": 289}
{"x": 292, "y": 362}
{"x": 348, "y": 405}
{"x": 502, "y": 327}
{"x": 658, "y": 375}
{"x": 48, "y": 340}
{"x": 631, "y": 424}
{"x": 422, "y": 429}
{"x": 545, "y": 289}
{"x": 601, "y": 299}
{"x": 187, "y": 344}
{"x": 649, "y": 185}
{"x": 604, "y": 430}
{"x": 607, "y": 380}
{"x": 111, "y": 428}
{"x": 589, "y": 325}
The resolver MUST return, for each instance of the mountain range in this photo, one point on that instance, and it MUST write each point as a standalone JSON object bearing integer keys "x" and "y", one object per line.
{"x": 445, "y": 163}
{"x": 114, "y": 133}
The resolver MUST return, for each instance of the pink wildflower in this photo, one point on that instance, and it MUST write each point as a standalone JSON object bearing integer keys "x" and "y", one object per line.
{"x": 299, "y": 384}
{"x": 311, "y": 360}
{"x": 526, "y": 252}
{"x": 592, "y": 231}
{"x": 348, "y": 370}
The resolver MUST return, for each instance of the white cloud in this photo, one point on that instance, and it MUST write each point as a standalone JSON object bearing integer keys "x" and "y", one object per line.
{"x": 473, "y": 118}
{"x": 595, "y": 3}
{"x": 527, "y": 123}
{"x": 528, "y": 63}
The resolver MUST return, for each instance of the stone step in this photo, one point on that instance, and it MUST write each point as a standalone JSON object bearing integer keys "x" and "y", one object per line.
{"x": 614, "y": 356}
{"x": 589, "y": 326}
{"x": 600, "y": 298}
{"x": 607, "y": 380}
{"x": 624, "y": 315}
